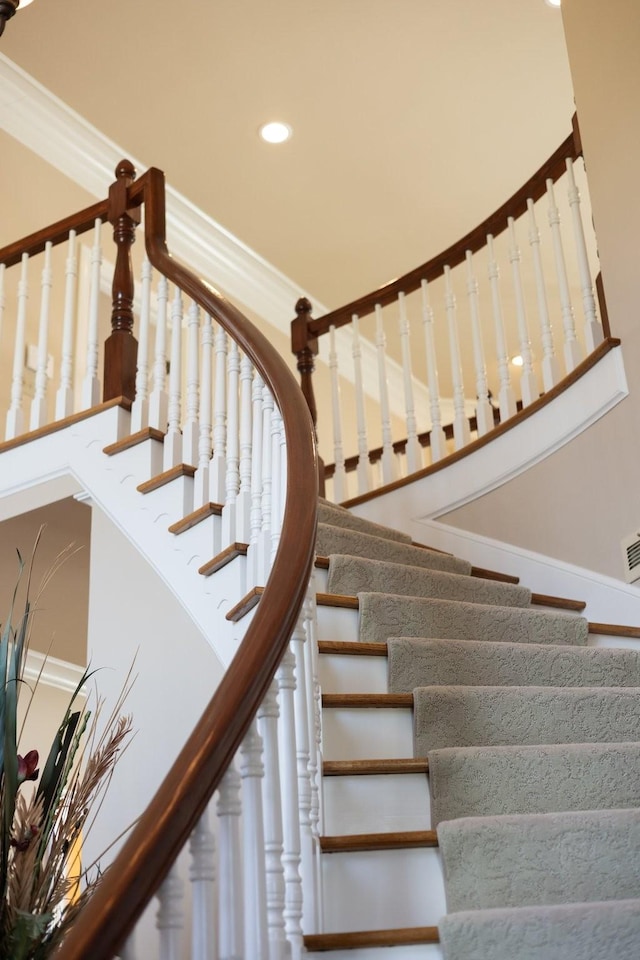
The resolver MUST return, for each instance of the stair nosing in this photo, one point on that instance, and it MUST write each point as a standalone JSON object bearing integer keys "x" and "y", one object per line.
{"x": 362, "y": 700}
{"x": 367, "y": 768}
{"x": 196, "y": 516}
{"x": 371, "y": 938}
{"x": 397, "y": 840}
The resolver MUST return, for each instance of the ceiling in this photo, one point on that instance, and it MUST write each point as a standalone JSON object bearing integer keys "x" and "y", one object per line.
{"x": 412, "y": 119}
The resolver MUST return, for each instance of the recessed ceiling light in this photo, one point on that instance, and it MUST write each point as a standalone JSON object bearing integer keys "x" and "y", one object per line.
{"x": 553, "y": 3}
{"x": 517, "y": 361}
{"x": 25, "y": 3}
{"x": 275, "y": 132}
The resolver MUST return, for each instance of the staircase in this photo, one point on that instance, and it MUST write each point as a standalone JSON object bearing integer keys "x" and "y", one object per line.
{"x": 480, "y": 755}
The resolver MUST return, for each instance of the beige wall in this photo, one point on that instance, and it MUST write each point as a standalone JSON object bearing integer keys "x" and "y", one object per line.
{"x": 582, "y": 500}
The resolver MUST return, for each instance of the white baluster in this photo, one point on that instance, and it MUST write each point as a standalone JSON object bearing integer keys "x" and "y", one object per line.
{"x": 314, "y": 710}
{"x": 461, "y": 432}
{"x": 276, "y": 481}
{"x": 339, "y": 476}
{"x": 2, "y": 297}
{"x": 550, "y": 365}
{"x": 170, "y": 916}
{"x": 506, "y": 396}
{"x": 243, "y": 510}
{"x": 256, "y": 480}
{"x": 201, "y": 484}
{"x": 173, "y": 439}
{"x": 202, "y": 875}
{"x": 389, "y": 463}
{"x": 303, "y": 757}
{"x": 91, "y": 385}
{"x": 230, "y": 886}
{"x": 64, "y": 397}
{"x": 140, "y": 406}
{"x": 191, "y": 425}
{"x": 291, "y": 856}
{"x": 413, "y": 450}
{"x": 218, "y": 468}
{"x": 267, "y": 486}
{"x": 39, "y": 402}
{"x": 484, "y": 410}
{"x": 268, "y": 729}
{"x": 15, "y": 416}
{"x": 364, "y": 467}
{"x": 572, "y": 351}
{"x": 255, "y": 915}
{"x": 437, "y": 438}
{"x": 232, "y": 478}
{"x": 159, "y": 401}
{"x": 528, "y": 381}
{"x": 592, "y": 327}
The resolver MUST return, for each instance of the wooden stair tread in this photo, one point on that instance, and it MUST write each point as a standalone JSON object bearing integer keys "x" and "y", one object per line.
{"x": 399, "y": 840}
{"x": 148, "y": 433}
{"x": 493, "y": 575}
{"x": 195, "y": 517}
{"x": 381, "y": 700}
{"x": 62, "y": 424}
{"x": 371, "y": 938}
{"x": 182, "y": 470}
{"x": 615, "y": 630}
{"x": 223, "y": 558}
{"x": 561, "y": 603}
{"x": 247, "y": 603}
{"x": 366, "y": 768}
{"x": 336, "y": 600}
{"x": 352, "y": 648}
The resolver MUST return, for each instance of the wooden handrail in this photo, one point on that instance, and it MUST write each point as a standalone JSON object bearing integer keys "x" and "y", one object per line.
{"x": 552, "y": 169}
{"x": 164, "y": 828}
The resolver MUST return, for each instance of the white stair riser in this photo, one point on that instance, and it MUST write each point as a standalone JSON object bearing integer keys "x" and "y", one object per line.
{"x": 624, "y": 643}
{"x": 379, "y": 889}
{"x": 199, "y": 543}
{"x": 337, "y": 623}
{"x": 420, "y": 951}
{"x": 170, "y": 502}
{"x": 352, "y": 674}
{"x": 350, "y": 733}
{"x": 380, "y": 803}
{"x": 143, "y": 461}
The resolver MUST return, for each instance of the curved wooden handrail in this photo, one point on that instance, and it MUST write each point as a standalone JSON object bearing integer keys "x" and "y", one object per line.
{"x": 495, "y": 224}
{"x": 164, "y": 828}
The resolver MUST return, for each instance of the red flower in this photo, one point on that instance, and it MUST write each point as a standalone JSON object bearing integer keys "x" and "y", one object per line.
{"x": 28, "y": 767}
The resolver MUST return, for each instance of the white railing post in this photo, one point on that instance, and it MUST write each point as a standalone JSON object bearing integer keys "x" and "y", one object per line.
{"x": 461, "y": 432}
{"x": 202, "y": 875}
{"x": 506, "y": 396}
{"x": 39, "y": 402}
{"x": 3, "y": 272}
{"x": 484, "y": 410}
{"x": 291, "y": 856}
{"x": 218, "y": 466}
{"x": 191, "y": 425}
{"x": 256, "y": 481}
{"x": 15, "y": 417}
{"x": 592, "y": 327}
{"x": 313, "y": 910}
{"x": 264, "y": 548}
{"x": 550, "y": 365}
{"x": 339, "y": 476}
{"x": 389, "y": 464}
{"x": 230, "y": 886}
{"x": 140, "y": 407}
{"x": 528, "y": 382}
{"x": 170, "y": 916}
{"x": 64, "y": 397}
{"x": 413, "y": 452}
{"x": 91, "y": 386}
{"x": 243, "y": 510}
{"x": 201, "y": 485}
{"x": 277, "y": 504}
{"x": 572, "y": 351}
{"x": 159, "y": 401}
{"x": 364, "y": 468}
{"x": 275, "y": 886}
{"x": 232, "y": 478}
{"x": 437, "y": 439}
{"x": 255, "y": 907}
{"x": 173, "y": 438}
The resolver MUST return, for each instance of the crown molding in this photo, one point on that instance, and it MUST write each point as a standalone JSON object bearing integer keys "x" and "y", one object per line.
{"x": 40, "y": 668}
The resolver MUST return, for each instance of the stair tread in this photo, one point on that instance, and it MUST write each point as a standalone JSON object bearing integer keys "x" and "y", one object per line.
{"x": 147, "y": 433}
{"x": 537, "y": 599}
{"x": 195, "y": 517}
{"x": 614, "y": 630}
{"x": 383, "y": 700}
{"x": 396, "y": 840}
{"x": 223, "y": 558}
{"x": 352, "y": 648}
{"x": 493, "y": 575}
{"x": 181, "y": 470}
{"x": 346, "y": 768}
{"x": 372, "y": 938}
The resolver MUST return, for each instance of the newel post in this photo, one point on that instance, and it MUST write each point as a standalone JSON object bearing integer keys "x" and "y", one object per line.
{"x": 121, "y": 348}
{"x": 305, "y": 347}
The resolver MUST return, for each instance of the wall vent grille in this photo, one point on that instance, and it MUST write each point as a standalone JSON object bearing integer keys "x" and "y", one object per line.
{"x": 631, "y": 554}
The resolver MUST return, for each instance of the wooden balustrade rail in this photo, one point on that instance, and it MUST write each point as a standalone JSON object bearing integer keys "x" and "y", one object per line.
{"x": 164, "y": 828}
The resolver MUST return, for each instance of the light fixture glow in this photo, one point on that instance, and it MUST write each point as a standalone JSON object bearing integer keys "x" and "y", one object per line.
{"x": 275, "y": 132}
{"x": 517, "y": 361}
{"x": 24, "y": 3}
{"x": 553, "y": 3}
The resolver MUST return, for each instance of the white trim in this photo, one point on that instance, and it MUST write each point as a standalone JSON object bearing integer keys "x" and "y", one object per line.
{"x": 51, "y": 671}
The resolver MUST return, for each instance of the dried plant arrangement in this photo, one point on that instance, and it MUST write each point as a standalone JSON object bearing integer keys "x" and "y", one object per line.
{"x": 47, "y": 810}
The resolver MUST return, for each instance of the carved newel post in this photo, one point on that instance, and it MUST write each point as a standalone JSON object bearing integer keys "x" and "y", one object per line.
{"x": 121, "y": 348}
{"x": 305, "y": 346}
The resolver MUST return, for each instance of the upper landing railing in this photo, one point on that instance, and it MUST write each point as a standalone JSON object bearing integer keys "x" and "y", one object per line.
{"x": 434, "y": 353}
{"x": 229, "y": 414}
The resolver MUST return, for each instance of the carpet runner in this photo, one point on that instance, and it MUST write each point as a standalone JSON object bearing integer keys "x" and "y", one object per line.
{"x": 533, "y": 742}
